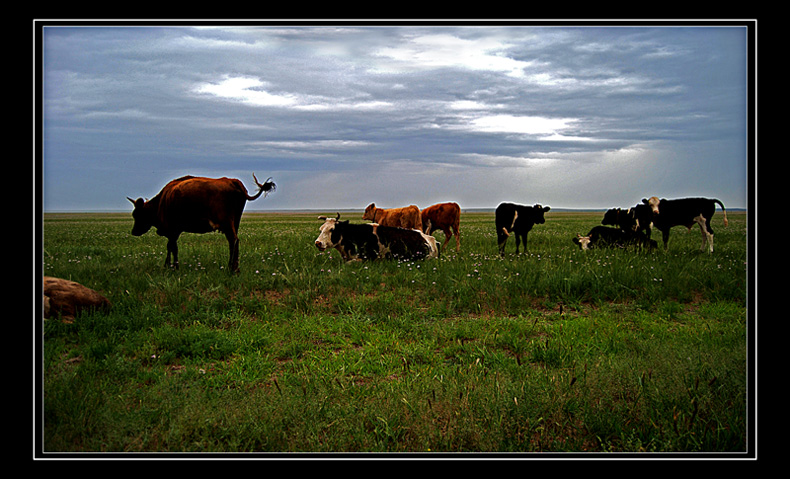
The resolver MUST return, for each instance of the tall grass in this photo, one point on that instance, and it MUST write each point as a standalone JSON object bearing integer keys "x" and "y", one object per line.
{"x": 554, "y": 349}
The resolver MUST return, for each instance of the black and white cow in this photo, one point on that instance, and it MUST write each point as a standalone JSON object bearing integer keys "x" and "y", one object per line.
{"x": 638, "y": 218}
{"x": 357, "y": 242}
{"x": 685, "y": 212}
{"x": 604, "y": 237}
{"x": 518, "y": 219}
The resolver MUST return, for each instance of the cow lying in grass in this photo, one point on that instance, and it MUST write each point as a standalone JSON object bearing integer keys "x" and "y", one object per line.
{"x": 357, "y": 242}
{"x": 603, "y": 237}
{"x": 66, "y": 299}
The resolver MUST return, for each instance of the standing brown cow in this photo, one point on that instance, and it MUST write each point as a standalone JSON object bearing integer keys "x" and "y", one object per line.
{"x": 196, "y": 205}
{"x": 445, "y": 217}
{"x": 406, "y": 217}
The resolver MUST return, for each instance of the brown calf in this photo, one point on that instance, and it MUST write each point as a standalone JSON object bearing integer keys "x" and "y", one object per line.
{"x": 445, "y": 217}
{"x": 406, "y": 217}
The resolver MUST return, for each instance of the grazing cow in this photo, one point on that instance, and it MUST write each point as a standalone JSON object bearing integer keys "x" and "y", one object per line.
{"x": 196, "y": 205}
{"x": 518, "y": 219}
{"x": 602, "y": 237}
{"x": 445, "y": 217}
{"x": 638, "y": 218}
{"x": 407, "y": 217}
{"x": 357, "y": 242}
{"x": 685, "y": 212}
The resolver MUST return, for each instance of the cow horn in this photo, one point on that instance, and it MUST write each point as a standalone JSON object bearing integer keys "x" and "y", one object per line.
{"x": 338, "y": 216}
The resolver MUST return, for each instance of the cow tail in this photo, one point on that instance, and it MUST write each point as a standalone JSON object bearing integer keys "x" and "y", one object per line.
{"x": 724, "y": 211}
{"x": 264, "y": 188}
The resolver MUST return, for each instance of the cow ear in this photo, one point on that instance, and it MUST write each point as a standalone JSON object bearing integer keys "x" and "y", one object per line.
{"x": 546, "y": 208}
{"x": 644, "y": 200}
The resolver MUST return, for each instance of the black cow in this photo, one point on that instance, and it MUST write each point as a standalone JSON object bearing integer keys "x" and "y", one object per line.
{"x": 357, "y": 242}
{"x": 638, "y": 218}
{"x": 518, "y": 219}
{"x": 603, "y": 237}
{"x": 685, "y": 212}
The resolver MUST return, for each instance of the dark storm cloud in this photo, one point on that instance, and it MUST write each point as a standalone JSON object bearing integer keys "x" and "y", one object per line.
{"x": 343, "y": 116}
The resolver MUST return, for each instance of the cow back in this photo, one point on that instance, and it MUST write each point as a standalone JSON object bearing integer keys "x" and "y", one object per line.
{"x": 406, "y": 217}
{"x": 441, "y": 216}
{"x": 402, "y": 243}
{"x": 197, "y": 204}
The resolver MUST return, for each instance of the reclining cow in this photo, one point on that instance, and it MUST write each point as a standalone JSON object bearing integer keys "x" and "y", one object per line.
{"x": 685, "y": 212}
{"x": 357, "y": 242}
{"x": 603, "y": 237}
{"x": 518, "y": 219}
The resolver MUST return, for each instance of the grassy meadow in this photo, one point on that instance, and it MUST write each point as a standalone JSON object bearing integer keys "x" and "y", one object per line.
{"x": 552, "y": 350}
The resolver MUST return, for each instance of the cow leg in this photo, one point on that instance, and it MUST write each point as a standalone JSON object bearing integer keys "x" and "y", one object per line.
{"x": 502, "y": 236}
{"x": 233, "y": 251}
{"x": 448, "y": 233}
{"x": 457, "y": 240}
{"x": 707, "y": 233}
{"x": 665, "y": 237}
{"x": 172, "y": 248}
{"x": 521, "y": 238}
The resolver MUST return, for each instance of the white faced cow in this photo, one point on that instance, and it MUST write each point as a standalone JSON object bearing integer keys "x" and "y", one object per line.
{"x": 357, "y": 242}
{"x": 685, "y": 212}
{"x": 603, "y": 237}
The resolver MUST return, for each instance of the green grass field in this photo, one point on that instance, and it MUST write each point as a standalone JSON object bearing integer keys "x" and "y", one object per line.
{"x": 553, "y": 350}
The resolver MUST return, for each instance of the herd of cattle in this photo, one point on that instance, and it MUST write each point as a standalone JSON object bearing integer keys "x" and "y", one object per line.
{"x": 200, "y": 205}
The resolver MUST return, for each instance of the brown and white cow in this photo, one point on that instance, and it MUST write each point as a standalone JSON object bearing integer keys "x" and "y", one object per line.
{"x": 370, "y": 241}
{"x": 685, "y": 212}
{"x": 445, "y": 217}
{"x": 406, "y": 217}
{"x": 196, "y": 205}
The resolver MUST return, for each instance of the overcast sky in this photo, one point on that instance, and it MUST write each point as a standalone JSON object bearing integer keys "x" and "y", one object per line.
{"x": 344, "y": 115}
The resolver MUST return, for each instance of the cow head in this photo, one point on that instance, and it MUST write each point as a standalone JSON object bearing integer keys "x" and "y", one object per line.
{"x": 142, "y": 217}
{"x": 539, "y": 210}
{"x": 582, "y": 241}
{"x": 652, "y": 203}
{"x": 327, "y": 236}
{"x": 370, "y": 212}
